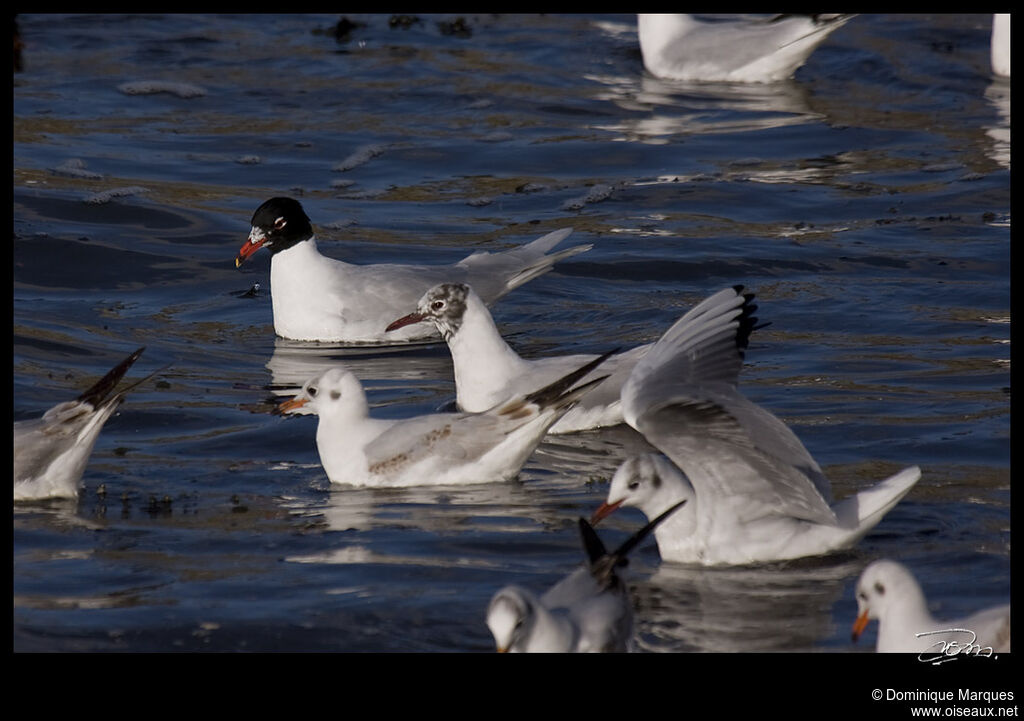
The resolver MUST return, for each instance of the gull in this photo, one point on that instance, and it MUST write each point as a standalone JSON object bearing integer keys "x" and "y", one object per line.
{"x": 888, "y": 591}
{"x": 1000, "y": 49}
{"x": 431, "y": 449}
{"x": 316, "y": 298}
{"x": 488, "y": 371}
{"x": 588, "y": 611}
{"x": 733, "y": 48}
{"x": 754, "y": 492}
{"x": 50, "y": 453}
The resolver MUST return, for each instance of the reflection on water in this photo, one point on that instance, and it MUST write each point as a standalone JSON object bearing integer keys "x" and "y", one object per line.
{"x": 772, "y": 607}
{"x": 660, "y": 109}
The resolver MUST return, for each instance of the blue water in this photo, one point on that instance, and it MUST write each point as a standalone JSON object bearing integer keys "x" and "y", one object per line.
{"x": 866, "y": 203}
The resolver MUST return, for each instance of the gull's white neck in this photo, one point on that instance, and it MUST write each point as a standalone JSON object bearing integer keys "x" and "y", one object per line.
{"x": 903, "y": 618}
{"x": 302, "y": 282}
{"x": 484, "y": 362}
{"x": 342, "y": 436}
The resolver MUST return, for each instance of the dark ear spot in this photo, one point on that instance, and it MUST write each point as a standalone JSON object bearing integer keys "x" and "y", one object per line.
{"x": 879, "y": 588}
{"x": 335, "y": 395}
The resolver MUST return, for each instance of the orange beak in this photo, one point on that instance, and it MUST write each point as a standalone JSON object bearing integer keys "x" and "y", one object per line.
{"x": 404, "y": 321}
{"x": 290, "y": 405}
{"x": 859, "y": 625}
{"x": 604, "y": 511}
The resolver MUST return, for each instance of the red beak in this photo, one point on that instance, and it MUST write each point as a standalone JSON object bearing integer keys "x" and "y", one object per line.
{"x": 604, "y": 511}
{"x": 247, "y": 249}
{"x": 405, "y": 320}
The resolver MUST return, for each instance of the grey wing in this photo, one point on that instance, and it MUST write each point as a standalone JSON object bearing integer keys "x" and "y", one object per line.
{"x": 492, "y": 275}
{"x": 727, "y": 469}
{"x": 618, "y": 369}
{"x": 696, "y": 362}
{"x": 40, "y": 441}
{"x": 392, "y": 289}
{"x": 735, "y": 44}
{"x": 449, "y": 438}
{"x": 704, "y": 346}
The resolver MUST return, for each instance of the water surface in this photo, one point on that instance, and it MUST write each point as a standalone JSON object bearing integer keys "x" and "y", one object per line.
{"x": 866, "y": 203}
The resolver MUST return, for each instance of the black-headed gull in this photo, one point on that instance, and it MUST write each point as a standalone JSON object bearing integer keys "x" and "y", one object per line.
{"x": 432, "y": 449}
{"x": 888, "y": 591}
{"x": 488, "y": 371}
{"x": 755, "y": 494}
{"x": 317, "y": 298}
{"x": 1001, "y": 44}
{"x": 51, "y": 453}
{"x": 588, "y": 611}
{"x": 731, "y": 48}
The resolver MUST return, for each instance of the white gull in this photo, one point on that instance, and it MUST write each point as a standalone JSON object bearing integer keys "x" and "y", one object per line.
{"x": 754, "y": 492}
{"x": 51, "y": 453}
{"x": 316, "y": 298}
{"x": 731, "y": 48}
{"x": 488, "y": 370}
{"x": 431, "y": 449}
{"x": 588, "y": 611}
{"x": 888, "y": 591}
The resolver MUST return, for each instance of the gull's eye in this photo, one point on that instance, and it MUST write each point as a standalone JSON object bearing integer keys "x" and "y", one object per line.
{"x": 311, "y": 391}
{"x": 280, "y": 223}
{"x": 437, "y": 305}
{"x": 633, "y": 485}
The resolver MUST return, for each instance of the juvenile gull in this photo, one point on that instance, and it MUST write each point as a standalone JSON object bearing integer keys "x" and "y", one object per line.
{"x": 437, "y": 448}
{"x": 488, "y": 371}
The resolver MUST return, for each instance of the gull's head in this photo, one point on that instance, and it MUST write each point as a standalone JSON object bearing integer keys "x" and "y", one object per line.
{"x": 443, "y": 305}
{"x": 882, "y": 585}
{"x": 335, "y": 391}
{"x": 510, "y": 616}
{"x": 649, "y": 482}
{"x": 278, "y": 224}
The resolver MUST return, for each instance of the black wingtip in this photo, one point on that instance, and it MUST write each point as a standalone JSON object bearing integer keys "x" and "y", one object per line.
{"x": 634, "y": 540}
{"x": 552, "y": 392}
{"x": 102, "y": 388}
{"x": 592, "y": 543}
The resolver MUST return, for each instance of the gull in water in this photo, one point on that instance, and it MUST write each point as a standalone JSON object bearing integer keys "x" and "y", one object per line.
{"x": 731, "y": 48}
{"x": 588, "y": 611}
{"x": 432, "y": 449}
{"x": 888, "y": 591}
{"x": 1001, "y": 44}
{"x": 50, "y": 453}
{"x": 316, "y": 298}
{"x": 487, "y": 370}
{"x": 754, "y": 492}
